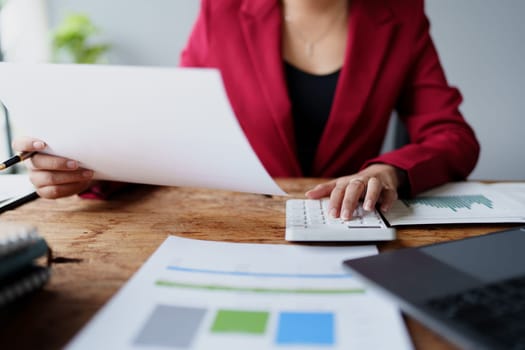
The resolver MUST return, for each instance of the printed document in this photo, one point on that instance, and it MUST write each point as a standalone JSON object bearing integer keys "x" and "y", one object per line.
{"x": 161, "y": 126}
{"x": 193, "y": 294}
{"x": 462, "y": 203}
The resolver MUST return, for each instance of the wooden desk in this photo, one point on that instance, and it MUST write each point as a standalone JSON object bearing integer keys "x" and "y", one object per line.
{"x": 98, "y": 245}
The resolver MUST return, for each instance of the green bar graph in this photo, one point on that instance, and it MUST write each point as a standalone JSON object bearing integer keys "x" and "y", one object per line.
{"x": 224, "y": 288}
{"x": 451, "y": 202}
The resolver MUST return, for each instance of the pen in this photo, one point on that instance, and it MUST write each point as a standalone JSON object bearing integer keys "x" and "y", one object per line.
{"x": 16, "y": 159}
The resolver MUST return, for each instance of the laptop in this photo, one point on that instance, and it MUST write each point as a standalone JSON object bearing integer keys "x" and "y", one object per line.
{"x": 471, "y": 291}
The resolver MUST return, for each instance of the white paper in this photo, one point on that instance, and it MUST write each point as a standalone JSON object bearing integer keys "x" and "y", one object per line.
{"x": 186, "y": 278}
{"x": 13, "y": 187}
{"x": 462, "y": 202}
{"x": 162, "y": 126}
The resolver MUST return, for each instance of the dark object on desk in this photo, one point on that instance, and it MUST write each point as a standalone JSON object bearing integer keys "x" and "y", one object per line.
{"x": 14, "y": 202}
{"x": 20, "y": 273}
{"x": 472, "y": 291}
{"x": 15, "y": 190}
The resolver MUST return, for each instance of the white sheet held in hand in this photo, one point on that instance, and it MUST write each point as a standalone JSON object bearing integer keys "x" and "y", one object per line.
{"x": 162, "y": 126}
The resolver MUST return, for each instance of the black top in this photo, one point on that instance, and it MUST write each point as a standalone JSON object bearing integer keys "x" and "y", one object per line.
{"x": 311, "y": 97}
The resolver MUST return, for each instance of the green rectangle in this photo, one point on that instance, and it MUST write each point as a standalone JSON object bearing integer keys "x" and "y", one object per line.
{"x": 240, "y": 321}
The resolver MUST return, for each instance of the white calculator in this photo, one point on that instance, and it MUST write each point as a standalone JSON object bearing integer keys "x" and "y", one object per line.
{"x": 308, "y": 220}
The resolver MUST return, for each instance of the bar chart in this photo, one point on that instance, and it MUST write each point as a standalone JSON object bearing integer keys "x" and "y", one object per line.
{"x": 195, "y": 294}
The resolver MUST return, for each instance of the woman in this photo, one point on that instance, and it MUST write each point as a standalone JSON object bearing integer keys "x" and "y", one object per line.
{"x": 313, "y": 84}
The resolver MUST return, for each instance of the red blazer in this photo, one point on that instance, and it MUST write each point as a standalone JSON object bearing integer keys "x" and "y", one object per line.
{"x": 391, "y": 64}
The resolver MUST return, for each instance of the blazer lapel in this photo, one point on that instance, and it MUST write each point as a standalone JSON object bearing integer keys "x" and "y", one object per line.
{"x": 370, "y": 30}
{"x": 261, "y": 25}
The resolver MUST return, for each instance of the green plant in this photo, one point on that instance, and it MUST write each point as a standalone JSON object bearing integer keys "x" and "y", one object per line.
{"x": 74, "y": 38}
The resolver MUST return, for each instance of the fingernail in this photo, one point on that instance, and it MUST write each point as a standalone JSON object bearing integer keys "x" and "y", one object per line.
{"x": 39, "y": 145}
{"x": 368, "y": 205}
{"x": 71, "y": 164}
{"x": 385, "y": 208}
{"x": 346, "y": 214}
{"x": 333, "y": 213}
{"x": 87, "y": 173}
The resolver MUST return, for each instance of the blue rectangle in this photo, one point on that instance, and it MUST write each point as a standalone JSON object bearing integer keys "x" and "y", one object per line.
{"x": 305, "y": 328}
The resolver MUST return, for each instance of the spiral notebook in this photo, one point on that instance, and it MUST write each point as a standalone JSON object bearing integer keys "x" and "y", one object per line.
{"x": 22, "y": 270}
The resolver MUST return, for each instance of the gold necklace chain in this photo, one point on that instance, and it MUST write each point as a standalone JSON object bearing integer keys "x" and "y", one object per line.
{"x": 310, "y": 44}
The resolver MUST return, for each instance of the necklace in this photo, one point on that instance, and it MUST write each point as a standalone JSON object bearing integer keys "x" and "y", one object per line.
{"x": 309, "y": 45}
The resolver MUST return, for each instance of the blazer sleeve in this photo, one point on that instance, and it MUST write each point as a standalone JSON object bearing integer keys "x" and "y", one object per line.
{"x": 442, "y": 146}
{"x": 195, "y": 52}
{"x": 104, "y": 189}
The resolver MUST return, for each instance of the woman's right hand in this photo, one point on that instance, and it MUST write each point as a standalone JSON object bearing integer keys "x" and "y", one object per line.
{"x": 52, "y": 176}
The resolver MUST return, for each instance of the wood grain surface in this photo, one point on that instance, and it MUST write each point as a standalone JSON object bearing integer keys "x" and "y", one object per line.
{"x": 98, "y": 245}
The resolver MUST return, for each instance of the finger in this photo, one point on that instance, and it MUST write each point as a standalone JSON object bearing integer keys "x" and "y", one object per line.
{"x": 48, "y": 162}
{"x": 321, "y": 190}
{"x": 354, "y": 190}
{"x": 388, "y": 197}
{"x": 53, "y": 178}
{"x": 336, "y": 197}
{"x": 373, "y": 192}
{"x": 53, "y": 192}
{"x": 28, "y": 144}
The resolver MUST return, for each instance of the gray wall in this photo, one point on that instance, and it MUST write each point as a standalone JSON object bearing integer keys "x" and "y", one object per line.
{"x": 141, "y": 32}
{"x": 481, "y": 44}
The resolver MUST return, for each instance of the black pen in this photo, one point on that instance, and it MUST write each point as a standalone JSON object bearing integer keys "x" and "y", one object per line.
{"x": 16, "y": 159}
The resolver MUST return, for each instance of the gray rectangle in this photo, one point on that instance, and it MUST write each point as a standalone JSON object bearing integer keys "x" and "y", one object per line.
{"x": 171, "y": 326}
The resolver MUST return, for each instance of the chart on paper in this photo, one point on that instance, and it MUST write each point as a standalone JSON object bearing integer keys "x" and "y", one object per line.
{"x": 454, "y": 203}
{"x": 210, "y": 295}
{"x": 463, "y": 202}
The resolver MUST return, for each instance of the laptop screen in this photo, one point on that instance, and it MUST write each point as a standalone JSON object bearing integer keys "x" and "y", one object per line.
{"x": 490, "y": 257}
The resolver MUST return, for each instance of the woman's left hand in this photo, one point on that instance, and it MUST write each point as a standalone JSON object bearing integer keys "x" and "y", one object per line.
{"x": 378, "y": 183}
